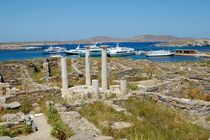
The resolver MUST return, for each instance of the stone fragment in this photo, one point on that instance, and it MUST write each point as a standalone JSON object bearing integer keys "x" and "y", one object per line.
{"x": 121, "y": 125}
{"x": 60, "y": 108}
{"x": 86, "y": 135}
{"x": 10, "y": 117}
{"x": 123, "y": 87}
{"x": 105, "y": 124}
{"x": 104, "y": 138}
{"x": 152, "y": 89}
{"x": 5, "y": 138}
{"x": 48, "y": 103}
{"x": 13, "y": 105}
{"x": 95, "y": 86}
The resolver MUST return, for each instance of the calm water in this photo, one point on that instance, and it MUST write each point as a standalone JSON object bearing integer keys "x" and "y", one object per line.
{"x": 30, "y": 54}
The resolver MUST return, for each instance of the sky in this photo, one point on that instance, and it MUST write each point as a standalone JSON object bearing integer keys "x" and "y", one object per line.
{"x": 39, "y": 20}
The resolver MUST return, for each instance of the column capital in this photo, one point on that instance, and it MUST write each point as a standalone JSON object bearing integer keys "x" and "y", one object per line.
{"x": 103, "y": 46}
{"x": 87, "y": 47}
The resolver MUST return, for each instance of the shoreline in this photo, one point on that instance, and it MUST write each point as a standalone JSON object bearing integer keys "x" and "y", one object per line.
{"x": 195, "y": 55}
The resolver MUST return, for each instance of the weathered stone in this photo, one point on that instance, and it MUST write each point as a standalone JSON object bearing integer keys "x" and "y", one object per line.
{"x": 60, "y": 108}
{"x": 12, "y": 105}
{"x": 46, "y": 70}
{"x": 87, "y": 67}
{"x": 104, "y": 138}
{"x": 104, "y": 72}
{"x": 6, "y": 138}
{"x": 105, "y": 124}
{"x": 10, "y": 117}
{"x": 121, "y": 125}
{"x": 95, "y": 87}
{"x": 48, "y": 103}
{"x": 152, "y": 89}
{"x": 123, "y": 87}
{"x": 78, "y": 124}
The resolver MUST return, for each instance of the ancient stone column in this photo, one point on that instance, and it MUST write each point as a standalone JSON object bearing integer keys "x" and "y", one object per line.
{"x": 64, "y": 75}
{"x": 95, "y": 87}
{"x": 46, "y": 71}
{"x": 123, "y": 87}
{"x": 1, "y": 79}
{"x": 87, "y": 67}
{"x": 104, "y": 68}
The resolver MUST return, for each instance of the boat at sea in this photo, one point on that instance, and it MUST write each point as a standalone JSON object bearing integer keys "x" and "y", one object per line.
{"x": 94, "y": 50}
{"x": 120, "y": 51}
{"x": 76, "y": 51}
{"x": 159, "y": 53}
{"x": 52, "y": 49}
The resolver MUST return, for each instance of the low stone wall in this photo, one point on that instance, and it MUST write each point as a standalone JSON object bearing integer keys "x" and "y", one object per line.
{"x": 32, "y": 96}
{"x": 11, "y": 73}
{"x": 191, "y": 107}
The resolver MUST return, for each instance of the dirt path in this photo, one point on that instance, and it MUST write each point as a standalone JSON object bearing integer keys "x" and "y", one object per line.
{"x": 43, "y": 132}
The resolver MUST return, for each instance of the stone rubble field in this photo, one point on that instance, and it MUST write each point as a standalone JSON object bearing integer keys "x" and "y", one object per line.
{"x": 180, "y": 91}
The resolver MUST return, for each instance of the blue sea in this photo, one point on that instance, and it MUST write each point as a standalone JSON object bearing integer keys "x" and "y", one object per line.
{"x": 146, "y": 46}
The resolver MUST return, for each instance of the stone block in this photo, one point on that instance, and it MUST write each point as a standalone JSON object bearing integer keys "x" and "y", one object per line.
{"x": 121, "y": 125}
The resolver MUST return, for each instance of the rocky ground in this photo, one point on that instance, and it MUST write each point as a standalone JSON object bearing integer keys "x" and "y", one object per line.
{"x": 182, "y": 87}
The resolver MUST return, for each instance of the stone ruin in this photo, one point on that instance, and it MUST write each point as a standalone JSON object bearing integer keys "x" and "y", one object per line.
{"x": 91, "y": 87}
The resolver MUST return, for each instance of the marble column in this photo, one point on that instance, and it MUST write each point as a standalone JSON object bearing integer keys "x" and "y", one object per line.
{"x": 104, "y": 68}
{"x": 64, "y": 75}
{"x": 123, "y": 87}
{"x": 46, "y": 70}
{"x": 87, "y": 67}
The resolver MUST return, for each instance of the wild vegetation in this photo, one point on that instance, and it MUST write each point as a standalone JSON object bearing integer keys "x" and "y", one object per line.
{"x": 132, "y": 86}
{"x": 12, "y": 132}
{"x": 194, "y": 93}
{"x": 158, "y": 122}
{"x": 59, "y": 130}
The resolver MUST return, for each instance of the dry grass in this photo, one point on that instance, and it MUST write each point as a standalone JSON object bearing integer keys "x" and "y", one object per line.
{"x": 195, "y": 93}
{"x": 159, "y": 123}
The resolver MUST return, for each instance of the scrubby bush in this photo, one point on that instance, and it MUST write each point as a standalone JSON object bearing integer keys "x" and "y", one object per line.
{"x": 26, "y": 108}
{"x": 59, "y": 129}
{"x": 23, "y": 130}
{"x": 4, "y": 131}
{"x": 132, "y": 86}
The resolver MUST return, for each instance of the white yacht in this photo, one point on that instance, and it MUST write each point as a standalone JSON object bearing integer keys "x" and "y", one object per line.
{"x": 120, "y": 51}
{"x": 159, "y": 53}
{"x": 52, "y": 49}
{"x": 76, "y": 51}
{"x": 94, "y": 50}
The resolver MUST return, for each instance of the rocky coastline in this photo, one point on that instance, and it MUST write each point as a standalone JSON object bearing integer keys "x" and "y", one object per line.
{"x": 184, "y": 43}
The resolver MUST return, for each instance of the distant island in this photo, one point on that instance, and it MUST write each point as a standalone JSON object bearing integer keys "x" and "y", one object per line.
{"x": 185, "y": 42}
{"x": 165, "y": 40}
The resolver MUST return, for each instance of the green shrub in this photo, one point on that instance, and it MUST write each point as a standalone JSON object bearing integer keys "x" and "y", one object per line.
{"x": 59, "y": 129}
{"x": 132, "y": 86}
{"x": 24, "y": 130}
{"x": 4, "y": 131}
